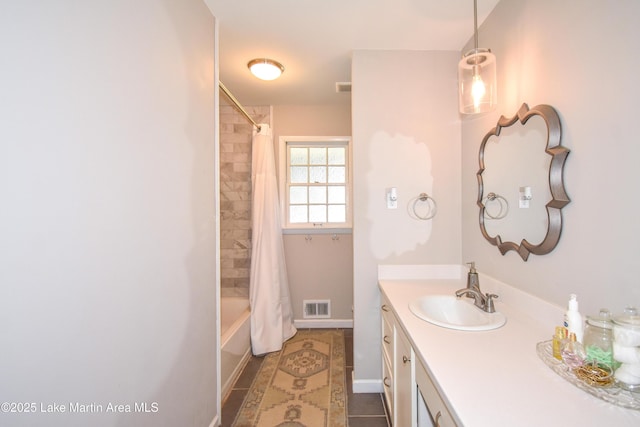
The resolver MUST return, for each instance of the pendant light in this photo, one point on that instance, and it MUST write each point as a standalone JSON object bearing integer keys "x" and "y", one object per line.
{"x": 477, "y": 76}
{"x": 265, "y": 69}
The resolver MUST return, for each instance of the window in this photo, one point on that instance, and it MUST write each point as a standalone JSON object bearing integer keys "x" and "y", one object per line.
{"x": 315, "y": 177}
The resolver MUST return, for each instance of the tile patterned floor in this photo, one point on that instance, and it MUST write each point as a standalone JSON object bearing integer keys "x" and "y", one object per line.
{"x": 363, "y": 409}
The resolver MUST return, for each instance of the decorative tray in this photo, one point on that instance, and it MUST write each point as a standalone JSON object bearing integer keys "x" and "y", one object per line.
{"x": 611, "y": 393}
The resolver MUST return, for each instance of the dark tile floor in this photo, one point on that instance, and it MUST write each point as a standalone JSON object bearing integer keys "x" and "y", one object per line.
{"x": 363, "y": 409}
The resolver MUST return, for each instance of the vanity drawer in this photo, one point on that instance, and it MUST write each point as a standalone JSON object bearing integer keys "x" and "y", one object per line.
{"x": 437, "y": 409}
{"x": 388, "y": 335}
{"x": 387, "y": 314}
{"x": 387, "y": 340}
{"x": 387, "y": 384}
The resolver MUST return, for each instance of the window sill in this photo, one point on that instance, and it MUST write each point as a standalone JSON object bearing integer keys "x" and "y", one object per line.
{"x": 317, "y": 231}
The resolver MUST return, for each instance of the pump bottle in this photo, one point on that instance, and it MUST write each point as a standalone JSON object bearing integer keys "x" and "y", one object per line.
{"x": 573, "y": 318}
{"x": 472, "y": 276}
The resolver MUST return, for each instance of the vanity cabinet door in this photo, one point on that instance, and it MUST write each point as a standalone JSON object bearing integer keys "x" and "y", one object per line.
{"x": 397, "y": 370}
{"x": 440, "y": 415}
{"x": 405, "y": 389}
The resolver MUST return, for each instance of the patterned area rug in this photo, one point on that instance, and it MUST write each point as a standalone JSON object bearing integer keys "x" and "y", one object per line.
{"x": 303, "y": 385}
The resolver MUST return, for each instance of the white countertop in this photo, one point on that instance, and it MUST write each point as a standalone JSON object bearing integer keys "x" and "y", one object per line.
{"x": 495, "y": 377}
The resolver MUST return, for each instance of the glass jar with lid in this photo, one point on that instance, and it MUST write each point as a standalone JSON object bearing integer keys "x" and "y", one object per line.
{"x": 598, "y": 340}
{"x": 626, "y": 348}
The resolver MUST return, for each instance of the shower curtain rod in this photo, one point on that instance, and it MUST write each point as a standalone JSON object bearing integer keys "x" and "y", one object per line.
{"x": 237, "y": 104}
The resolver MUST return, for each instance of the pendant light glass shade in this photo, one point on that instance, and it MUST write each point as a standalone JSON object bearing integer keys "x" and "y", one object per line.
{"x": 477, "y": 81}
{"x": 265, "y": 69}
{"x": 477, "y": 84}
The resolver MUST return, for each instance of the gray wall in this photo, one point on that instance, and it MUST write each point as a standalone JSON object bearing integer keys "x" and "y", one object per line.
{"x": 107, "y": 164}
{"x": 320, "y": 268}
{"x": 575, "y": 57}
{"x": 405, "y": 135}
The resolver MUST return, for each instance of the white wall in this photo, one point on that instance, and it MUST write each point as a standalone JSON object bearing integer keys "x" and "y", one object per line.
{"x": 107, "y": 223}
{"x": 406, "y": 134}
{"x": 579, "y": 58}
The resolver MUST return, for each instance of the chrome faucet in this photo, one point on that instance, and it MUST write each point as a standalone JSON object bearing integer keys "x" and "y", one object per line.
{"x": 480, "y": 300}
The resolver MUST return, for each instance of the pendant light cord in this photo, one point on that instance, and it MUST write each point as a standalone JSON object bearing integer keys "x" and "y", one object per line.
{"x": 475, "y": 23}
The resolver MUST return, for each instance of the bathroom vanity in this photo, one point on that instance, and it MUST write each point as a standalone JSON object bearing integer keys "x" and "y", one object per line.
{"x": 407, "y": 385}
{"x": 476, "y": 378}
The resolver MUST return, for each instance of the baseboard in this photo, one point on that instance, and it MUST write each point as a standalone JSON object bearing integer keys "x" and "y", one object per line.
{"x": 323, "y": 323}
{"x": 366, "y": 386}
{"x": 214, "y": 422}
{"x": 226, "y": 388}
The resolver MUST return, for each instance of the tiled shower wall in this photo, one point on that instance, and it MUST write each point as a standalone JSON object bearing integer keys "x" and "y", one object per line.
{"x": 235, "y": 196}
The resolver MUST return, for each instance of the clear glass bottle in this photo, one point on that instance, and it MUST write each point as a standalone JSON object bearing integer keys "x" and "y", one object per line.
{"x": 598, "y": 340}
{"x": 573, "y": 354}
{"x": 558, "y": 341}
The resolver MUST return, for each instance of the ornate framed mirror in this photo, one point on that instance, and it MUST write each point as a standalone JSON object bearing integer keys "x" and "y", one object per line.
{"x": 521, "y": 189}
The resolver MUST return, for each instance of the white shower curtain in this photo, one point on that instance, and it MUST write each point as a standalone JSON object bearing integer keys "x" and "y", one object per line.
{"x": 271, "y": 313}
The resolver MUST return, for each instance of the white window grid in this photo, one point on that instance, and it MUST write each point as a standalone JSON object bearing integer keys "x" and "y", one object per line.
{"x": 286, "y": 143}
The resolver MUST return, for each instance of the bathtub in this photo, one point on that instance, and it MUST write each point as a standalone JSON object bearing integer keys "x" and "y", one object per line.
{"x": 235, "y": 340}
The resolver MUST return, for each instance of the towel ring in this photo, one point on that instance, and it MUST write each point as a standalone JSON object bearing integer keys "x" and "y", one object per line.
{"x": 431, "y": 204}
{"x": 504, "y": 206}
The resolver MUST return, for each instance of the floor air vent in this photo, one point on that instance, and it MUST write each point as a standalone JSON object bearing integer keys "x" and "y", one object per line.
{"x": 317, "y": 309}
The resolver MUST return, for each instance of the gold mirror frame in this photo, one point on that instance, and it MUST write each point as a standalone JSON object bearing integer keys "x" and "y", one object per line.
{"x": 559, "y": 198}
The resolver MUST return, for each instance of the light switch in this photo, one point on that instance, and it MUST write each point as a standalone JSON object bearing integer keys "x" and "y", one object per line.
{"x": 392, "y": 198}
{"x": 525, "y": 197}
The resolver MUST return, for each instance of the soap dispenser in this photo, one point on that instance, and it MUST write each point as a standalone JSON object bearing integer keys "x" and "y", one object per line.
{"x": 472, "y": 277}
{"x": 573, "y": 318}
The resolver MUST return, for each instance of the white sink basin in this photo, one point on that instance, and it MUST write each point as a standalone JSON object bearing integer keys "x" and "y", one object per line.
{"x": 449, "y": 312}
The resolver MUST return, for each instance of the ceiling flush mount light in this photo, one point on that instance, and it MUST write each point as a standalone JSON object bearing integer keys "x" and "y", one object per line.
{"x": 265, "y": 69}
{"x": 477, "y": 76}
